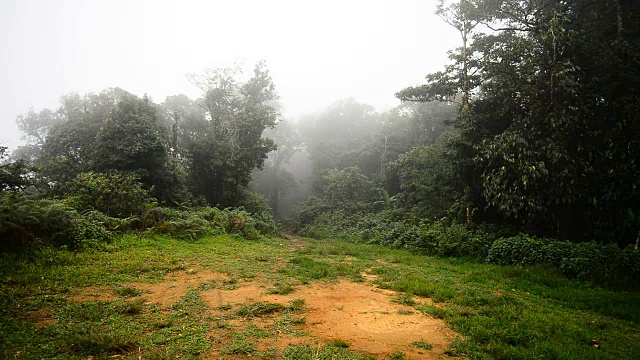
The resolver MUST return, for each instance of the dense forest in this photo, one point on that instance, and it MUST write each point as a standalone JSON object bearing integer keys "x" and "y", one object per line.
{"x": 524, "y": 149}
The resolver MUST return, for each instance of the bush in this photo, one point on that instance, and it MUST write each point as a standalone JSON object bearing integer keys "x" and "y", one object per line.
{"x": 585, "y": 261}
{"x": 116, "y": 194}
{"x": 191, "y": 224}
{"x": 24, "y": 220}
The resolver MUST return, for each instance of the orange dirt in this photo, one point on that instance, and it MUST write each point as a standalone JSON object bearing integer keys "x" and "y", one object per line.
{"x": 361, "y": 315}
{"x": 165, "y": 293}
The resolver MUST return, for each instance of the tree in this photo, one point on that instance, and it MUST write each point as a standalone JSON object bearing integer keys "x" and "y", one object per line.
{"x": 229, "y": 145}
{"x": 13, "y": 174}
{"x": 549, "y": 140}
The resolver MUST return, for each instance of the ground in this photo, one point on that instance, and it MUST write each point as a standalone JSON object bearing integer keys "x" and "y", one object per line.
{"x": 224, "y": 297}
{"x": 362, "y": 315}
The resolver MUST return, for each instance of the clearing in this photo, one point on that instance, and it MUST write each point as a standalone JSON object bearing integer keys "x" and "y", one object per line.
{"x": 228, "y": 298}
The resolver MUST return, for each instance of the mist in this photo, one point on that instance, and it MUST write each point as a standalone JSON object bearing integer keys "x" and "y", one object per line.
{"x": 317, "y": 52}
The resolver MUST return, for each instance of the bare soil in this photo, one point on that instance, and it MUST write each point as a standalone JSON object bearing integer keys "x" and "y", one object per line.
{"x": 359, "y": 314}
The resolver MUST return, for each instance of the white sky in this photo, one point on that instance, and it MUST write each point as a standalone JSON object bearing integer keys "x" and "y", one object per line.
{"x": 317, "y": 51}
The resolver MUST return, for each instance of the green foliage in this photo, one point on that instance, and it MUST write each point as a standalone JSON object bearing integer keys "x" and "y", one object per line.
{"x": 259, "y": 309}
{"x": 195, "y": 223}
{"x": 426, "y": 180}
{"x": 346, "y": 193}
{"x": 222, "y": 152}
{"x": 422, "y": 345}
{"x": 114, "y": 194}
{"x": 13, "y": 174}
{"x": 24, "y": 220}
{"x": 588, "y": 261}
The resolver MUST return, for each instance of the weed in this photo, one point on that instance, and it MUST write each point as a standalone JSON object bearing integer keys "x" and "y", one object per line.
{"x": 422, "y": 345}
{"x": 296, "y": 306}
{"x": 240, "y": 345}
{"x": 134, "y": 307}
{"x": 254, "y": 331}
{"x": 127, "y": 291}
{"x": 281, "y": 288}
{"x": 398, "y": 355}
{"x": 207, "y": 285}
{"x": 339, "y": 343}
{"x": 405, "y": 312}
{"x": 405, "y": 299}
{"x": 259, "y": 309}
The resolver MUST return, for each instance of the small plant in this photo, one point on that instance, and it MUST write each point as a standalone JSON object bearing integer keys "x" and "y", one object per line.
{"x": 207, "y": 285}
{"x": 127, "y": 291}
{"x": 398, "y": 355}
{"x": 134, "y": 307}
{"x": 281, "y": 288}
{"x": 225, "y": 307}
{"x": 405, "y": 312}
{"x": 405, "y": 299}
{"x": 240, "y": 345}
{"x": 254, "y": 331}
{"x": 259, "y": 309}
{"x": 422, "y": 345}
{"x": 339, "y": 343}
{"x": 296, "y": 306}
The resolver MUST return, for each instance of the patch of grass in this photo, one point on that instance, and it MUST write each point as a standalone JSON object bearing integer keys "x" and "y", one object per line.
{"x": 434, "y": 311}
{"x": 190, "y": 305}
{"x": 281, "y": 288}
{"x": 405, "y": 312}
{"x": 229, "y": 287}
{"x": 305, "y": 269}
{"x": 405, "y": 299}
{"x": 93, "y": 340}
{"x": 240, "y": 345}
{"x": 134, "y": 307}
{"x": 339, "y": 343}
{"x": 296, "y": 306}
{"x": 207, "y": 285}
{"x": 296, "y": 352}
{"x": 254, "y": 331}
{"x": 398, "y": 355}
{"x": 422, "y": 345}
{"x": 286, "y": 325}
{"x": 257, "y": 309}
{"x": 127, "y": 291}
{"x": 225, "y": 307}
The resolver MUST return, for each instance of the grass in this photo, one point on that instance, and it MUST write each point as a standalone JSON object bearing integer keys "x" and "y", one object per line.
{"x": 423, "y": 345}
{"x": 501, "y": 312}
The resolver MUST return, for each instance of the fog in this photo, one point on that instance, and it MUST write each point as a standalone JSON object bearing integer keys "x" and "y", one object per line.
{"x": 317, "y": 52}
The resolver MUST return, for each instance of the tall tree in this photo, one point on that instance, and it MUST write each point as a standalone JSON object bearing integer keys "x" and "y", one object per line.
{"x": 230, "y": 145}
{"x": 550, "y": 135}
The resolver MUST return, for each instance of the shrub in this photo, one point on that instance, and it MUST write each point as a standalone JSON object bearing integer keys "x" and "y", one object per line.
{"x": 115, "y": 194}
{"x": 586, "y": 261}
{"x": 25, "y": 220}
{"x": 191, "y": 224}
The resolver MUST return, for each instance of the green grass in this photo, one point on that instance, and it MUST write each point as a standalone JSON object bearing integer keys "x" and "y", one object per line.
{"x": 423, "y": 345}
{"x": 501, "y": 312}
